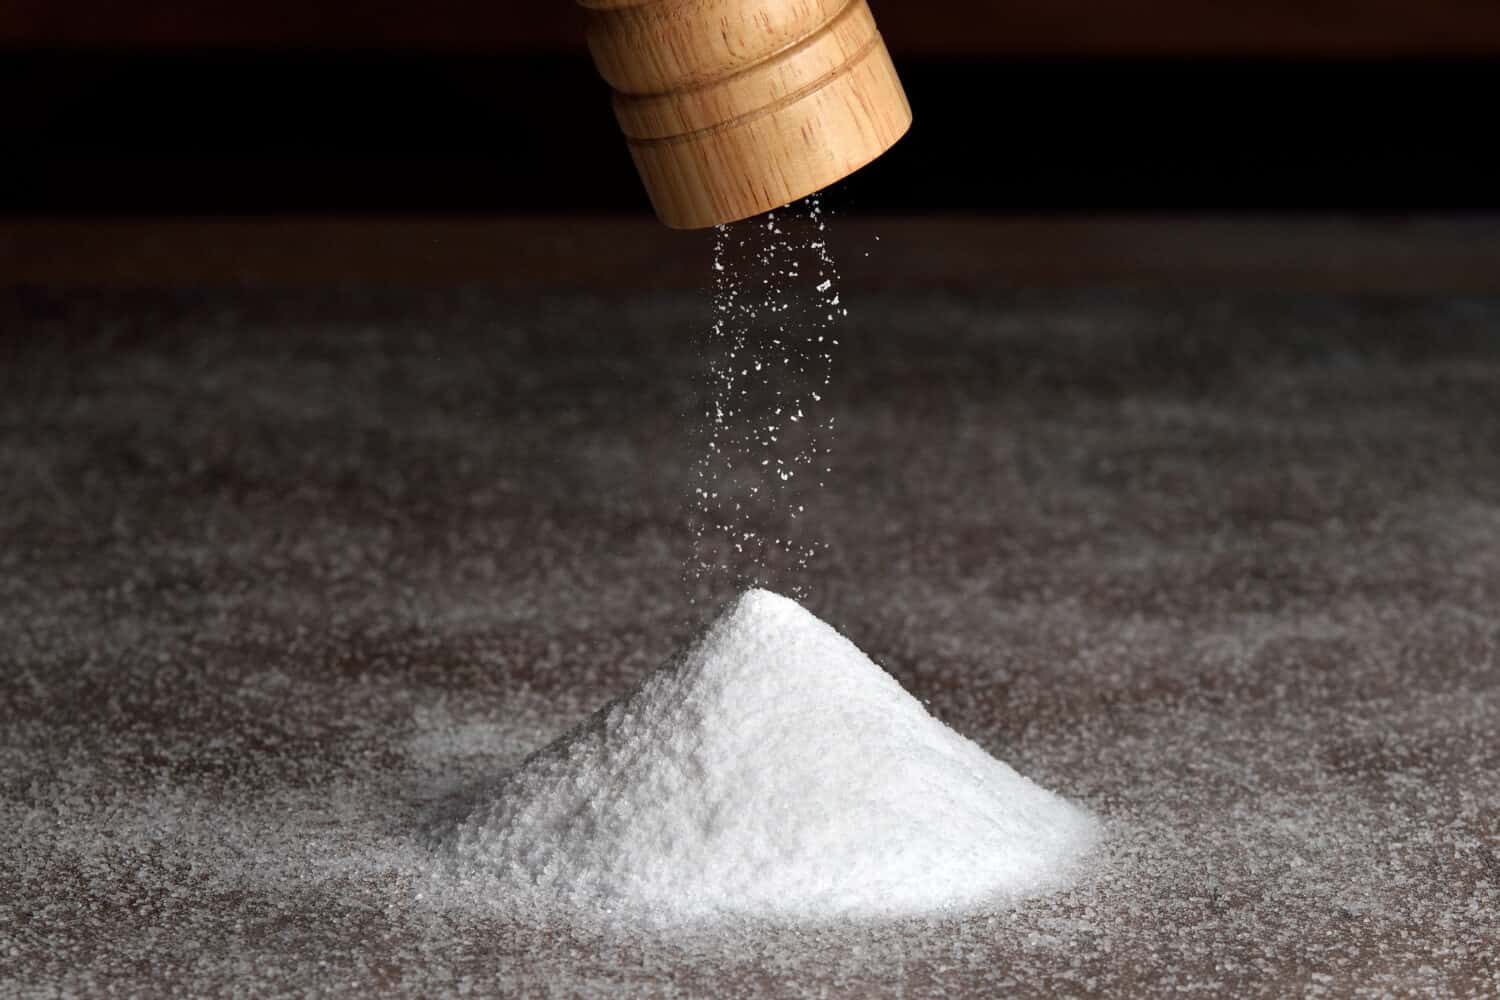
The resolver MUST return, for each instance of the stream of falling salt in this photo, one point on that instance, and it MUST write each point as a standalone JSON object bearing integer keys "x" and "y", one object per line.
{"x": 765, "y": 424}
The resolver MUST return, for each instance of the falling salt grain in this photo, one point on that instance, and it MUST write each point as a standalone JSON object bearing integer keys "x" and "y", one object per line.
{"x": 766, "y": 348}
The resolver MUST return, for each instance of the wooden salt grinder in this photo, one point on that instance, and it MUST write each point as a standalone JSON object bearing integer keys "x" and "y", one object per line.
{"x": 735, "y": 107}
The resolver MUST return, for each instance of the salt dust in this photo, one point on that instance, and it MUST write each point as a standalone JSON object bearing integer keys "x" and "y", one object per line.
{"x": 773, "y": 771}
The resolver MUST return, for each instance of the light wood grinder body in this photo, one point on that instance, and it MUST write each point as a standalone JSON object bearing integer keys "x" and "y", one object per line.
{"x": 736, "y": 107}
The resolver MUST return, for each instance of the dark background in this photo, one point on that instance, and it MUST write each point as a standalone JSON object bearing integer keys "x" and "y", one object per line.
{"x": 494, "y": 108}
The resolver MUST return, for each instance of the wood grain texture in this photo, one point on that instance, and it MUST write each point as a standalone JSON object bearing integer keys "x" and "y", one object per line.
{"x": 736, "y": 107}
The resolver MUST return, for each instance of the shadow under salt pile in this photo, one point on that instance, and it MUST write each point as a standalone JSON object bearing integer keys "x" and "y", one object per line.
{"x": 774, "y": 771}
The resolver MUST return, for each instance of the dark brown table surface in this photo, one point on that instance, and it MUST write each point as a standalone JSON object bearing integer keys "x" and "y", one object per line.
{"x": 290, "y": 558}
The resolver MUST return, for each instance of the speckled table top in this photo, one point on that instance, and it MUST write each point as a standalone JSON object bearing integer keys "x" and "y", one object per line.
{"x": 283, "y": 573}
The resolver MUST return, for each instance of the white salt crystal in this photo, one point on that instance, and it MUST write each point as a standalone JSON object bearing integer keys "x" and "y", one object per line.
{"x": 772, "y": 770}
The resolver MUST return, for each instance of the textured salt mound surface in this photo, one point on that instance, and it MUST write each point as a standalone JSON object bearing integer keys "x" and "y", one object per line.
{"x": 773, "y": 771}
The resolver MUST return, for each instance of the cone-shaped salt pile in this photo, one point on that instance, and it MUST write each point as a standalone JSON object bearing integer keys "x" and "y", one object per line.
{"x": 773, "y": 770}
